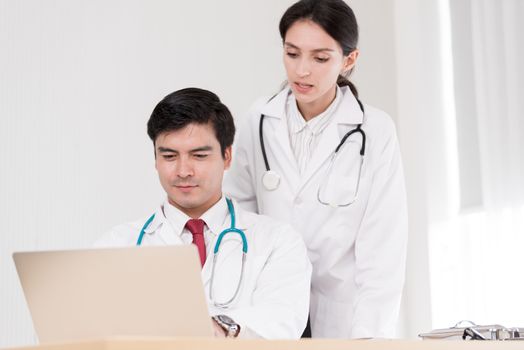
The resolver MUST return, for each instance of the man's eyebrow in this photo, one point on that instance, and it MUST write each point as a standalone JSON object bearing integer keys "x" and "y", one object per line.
{"x": 165, "y": 150}
{"x": 202, "y": 149}
{"x": 194, "y": 150}
{"x": 315, "y": 50}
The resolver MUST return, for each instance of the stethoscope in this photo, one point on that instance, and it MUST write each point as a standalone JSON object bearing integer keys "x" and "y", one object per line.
{"x": 232, "y": 228}
{"x": 271, "y": 179}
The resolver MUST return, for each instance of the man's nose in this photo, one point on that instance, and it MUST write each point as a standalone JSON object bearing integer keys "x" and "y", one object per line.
{"x": 184, "y": 167}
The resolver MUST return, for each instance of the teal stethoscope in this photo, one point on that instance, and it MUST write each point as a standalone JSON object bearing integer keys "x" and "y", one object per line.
{"x": 232, "y": 228}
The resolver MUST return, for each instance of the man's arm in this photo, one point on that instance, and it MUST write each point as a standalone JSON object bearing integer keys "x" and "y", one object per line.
{"x": 280, "y": 302}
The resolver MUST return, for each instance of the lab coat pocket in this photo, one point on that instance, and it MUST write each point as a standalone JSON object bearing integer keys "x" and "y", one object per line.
{"x": 343, "y": 176}
{"x": 339, "y": 189}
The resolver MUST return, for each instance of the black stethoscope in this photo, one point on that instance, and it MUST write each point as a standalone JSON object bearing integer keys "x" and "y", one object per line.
{"x": 271, "y": 179}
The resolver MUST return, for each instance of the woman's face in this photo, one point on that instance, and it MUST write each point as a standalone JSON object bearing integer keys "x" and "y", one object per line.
{"x": 313, "y": 61}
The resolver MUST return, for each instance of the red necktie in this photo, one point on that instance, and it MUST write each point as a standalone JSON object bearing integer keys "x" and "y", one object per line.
{"x": 196, "y": 227}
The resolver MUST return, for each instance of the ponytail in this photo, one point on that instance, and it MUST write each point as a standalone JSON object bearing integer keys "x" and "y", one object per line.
{"x": 343, "y": 81}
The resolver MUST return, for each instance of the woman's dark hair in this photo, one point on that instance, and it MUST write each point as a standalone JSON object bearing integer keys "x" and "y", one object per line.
{"x": 335, "y": 17}
{"x": 192, "y": 105}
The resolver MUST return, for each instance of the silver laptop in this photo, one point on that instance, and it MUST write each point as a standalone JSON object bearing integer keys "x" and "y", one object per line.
{"x": 99, "y": 293}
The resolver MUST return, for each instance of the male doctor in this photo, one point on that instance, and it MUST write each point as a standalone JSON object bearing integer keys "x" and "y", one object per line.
{"x": 192, "y": 134}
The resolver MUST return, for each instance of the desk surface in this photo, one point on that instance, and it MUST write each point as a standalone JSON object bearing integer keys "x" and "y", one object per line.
{"x": 129, "y": 343}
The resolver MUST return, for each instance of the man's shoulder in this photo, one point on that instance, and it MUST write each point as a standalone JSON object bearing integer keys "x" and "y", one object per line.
{"x": 270, "y": 237}
{"x": 121, "y": 235}
{"x": 267, "y": 226}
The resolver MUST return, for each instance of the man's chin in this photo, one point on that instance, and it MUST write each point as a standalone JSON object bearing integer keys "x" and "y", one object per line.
{"x": 182, "y": 201}
{"x": 185, "y": 204}
{"x": 191, "y": 206}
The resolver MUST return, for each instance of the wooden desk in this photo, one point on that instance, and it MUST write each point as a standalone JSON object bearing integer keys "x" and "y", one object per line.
{"x": 129, "y": 343}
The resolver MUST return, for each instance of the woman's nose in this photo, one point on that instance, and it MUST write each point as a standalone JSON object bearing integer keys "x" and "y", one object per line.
{"x": 303, "y": 68}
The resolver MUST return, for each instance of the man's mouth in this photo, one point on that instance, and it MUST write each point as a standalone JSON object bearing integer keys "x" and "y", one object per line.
{"x": 185, "y": 187}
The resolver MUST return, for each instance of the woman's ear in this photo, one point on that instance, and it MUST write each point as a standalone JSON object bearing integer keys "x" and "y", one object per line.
{"x": 350, "y": 61}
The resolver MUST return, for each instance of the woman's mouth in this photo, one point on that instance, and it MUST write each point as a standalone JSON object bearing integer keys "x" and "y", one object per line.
{"x": 303, "y": 88}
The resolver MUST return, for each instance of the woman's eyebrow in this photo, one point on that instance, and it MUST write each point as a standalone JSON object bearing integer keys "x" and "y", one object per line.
{"x": 315, "y": 50}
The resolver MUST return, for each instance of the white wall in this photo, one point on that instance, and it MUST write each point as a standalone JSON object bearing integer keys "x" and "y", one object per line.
{"x": 376, "y": 72}
{"x": 78, "y": 81}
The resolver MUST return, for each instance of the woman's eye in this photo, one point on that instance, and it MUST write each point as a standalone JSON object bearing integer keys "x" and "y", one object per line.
{"x": 292, "y": 54}
{"x": 321, "y": 59}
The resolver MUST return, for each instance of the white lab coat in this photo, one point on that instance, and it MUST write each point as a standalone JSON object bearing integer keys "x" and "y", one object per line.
{"x": 274, "y": 296}
{"x": 358, "y": 252}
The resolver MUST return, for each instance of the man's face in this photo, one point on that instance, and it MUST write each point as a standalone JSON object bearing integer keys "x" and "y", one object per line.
{"x": 191, "y": 167}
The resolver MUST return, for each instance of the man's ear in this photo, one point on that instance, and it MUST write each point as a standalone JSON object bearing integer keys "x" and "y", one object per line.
{"x": 228, "y": 154}
{"x": 154, "y": 153}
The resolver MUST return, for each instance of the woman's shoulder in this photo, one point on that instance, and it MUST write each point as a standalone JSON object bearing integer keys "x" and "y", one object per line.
{"x": 259, "y": 103}
{"x": 257, "y": 107}
{"x": 251, "y": 120}
{"x": 374, "y": 118}
{"x": 378, "y": 118}
{"x": 271, "y": 103}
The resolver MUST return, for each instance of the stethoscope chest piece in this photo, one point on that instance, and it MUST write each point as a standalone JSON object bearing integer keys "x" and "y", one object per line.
{"x": 270, "y": 180}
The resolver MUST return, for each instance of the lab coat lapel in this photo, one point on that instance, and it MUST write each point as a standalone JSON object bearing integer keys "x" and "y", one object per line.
{"x": 167, "y": 234}
{"x": 348, "y": 113}
{"x": 276, "y": 140}
{"x": 160, "y": 226}
{"x": 279, "y": 153}
{"x": 325, "y": 148}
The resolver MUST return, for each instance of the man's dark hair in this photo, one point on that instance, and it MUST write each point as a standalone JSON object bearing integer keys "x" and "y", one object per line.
{"x": 192, "y": 105}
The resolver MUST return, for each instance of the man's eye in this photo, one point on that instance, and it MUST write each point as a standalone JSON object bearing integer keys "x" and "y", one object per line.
{"x": 168, "y": 156}
{"x": 200, "y": 156}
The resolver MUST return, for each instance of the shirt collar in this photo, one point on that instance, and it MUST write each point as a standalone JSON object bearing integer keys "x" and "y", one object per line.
{"x": 317, "y": 124}
{"x": 176, "y": 218}
{"x": 349, "y": 110}
{"x": 214, "y": 217}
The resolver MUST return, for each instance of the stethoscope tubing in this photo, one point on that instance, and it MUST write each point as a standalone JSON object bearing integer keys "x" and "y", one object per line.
{"x": 340, "y": 144}
{"x": 216, "y": 250}
{"x": 272, "y": 175}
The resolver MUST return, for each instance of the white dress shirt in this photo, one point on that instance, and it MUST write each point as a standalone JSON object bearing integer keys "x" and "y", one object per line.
{"x": 304, "y": 135}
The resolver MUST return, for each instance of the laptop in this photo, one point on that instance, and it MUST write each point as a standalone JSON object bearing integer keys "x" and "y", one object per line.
{"x": 99, "y": 293}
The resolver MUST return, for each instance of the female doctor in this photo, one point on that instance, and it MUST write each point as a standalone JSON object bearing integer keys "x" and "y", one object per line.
{"x": 317, "y": 157}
